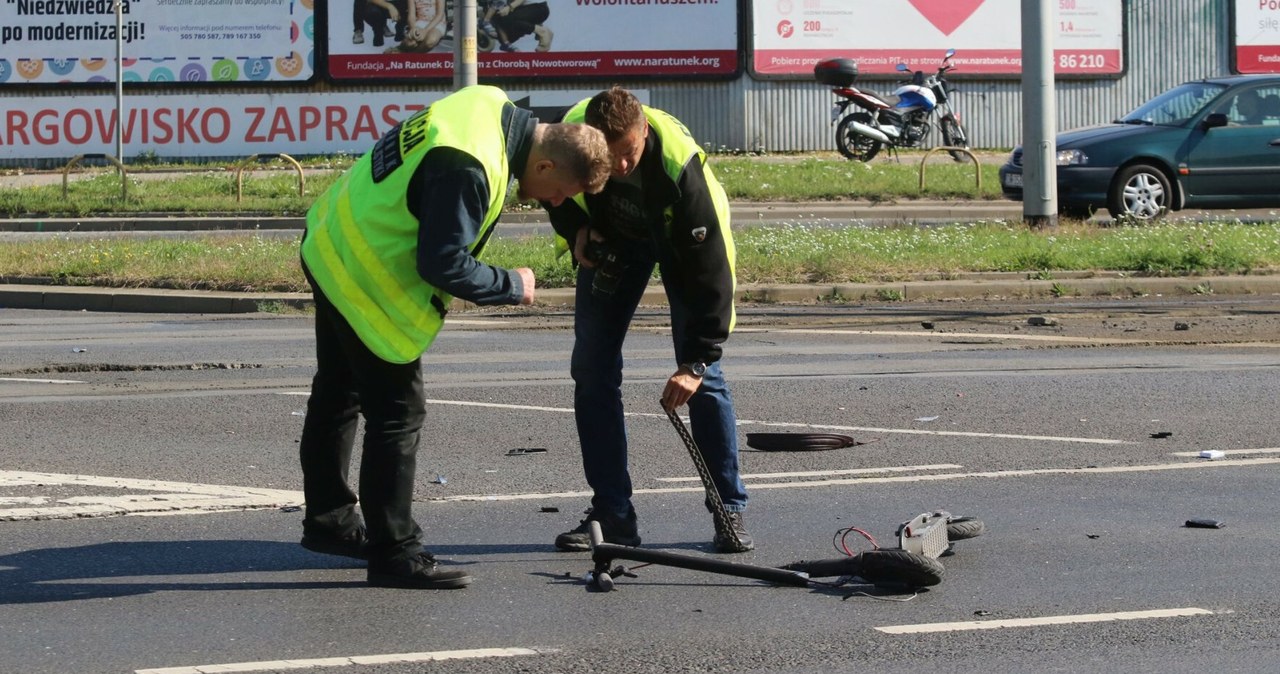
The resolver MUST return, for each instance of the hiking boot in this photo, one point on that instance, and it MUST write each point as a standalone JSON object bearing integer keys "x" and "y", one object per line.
{"x": 419, "y": 572}
{"x": 724, "y": 539}
{"x": 357, "y": 37}
{"x": 352, "y": 544}
{"x": 616, "y": 530}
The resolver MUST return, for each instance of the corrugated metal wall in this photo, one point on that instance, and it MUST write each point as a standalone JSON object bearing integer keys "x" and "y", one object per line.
{"x": 1167, "y": 42}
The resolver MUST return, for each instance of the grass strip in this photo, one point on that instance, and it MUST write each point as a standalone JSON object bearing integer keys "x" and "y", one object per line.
{"x": 789, "y": 253}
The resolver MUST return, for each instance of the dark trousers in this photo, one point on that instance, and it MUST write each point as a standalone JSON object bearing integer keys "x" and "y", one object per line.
{"x": 351, "y": 381}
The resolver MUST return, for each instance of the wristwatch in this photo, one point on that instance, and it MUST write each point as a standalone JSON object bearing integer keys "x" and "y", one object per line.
{"x": 698, "y": 368}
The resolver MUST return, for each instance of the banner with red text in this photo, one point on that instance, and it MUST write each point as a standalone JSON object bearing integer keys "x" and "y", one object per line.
{"x": 206, "y": 125}
{"x": 536, "y": 38}
{"x": 1257, "y": 36}
{"x": 164, "y": 41}
{"x": 790, "y": 36}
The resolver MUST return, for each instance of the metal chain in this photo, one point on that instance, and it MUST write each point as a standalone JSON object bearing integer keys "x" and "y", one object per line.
{"x": 718, "y": 511}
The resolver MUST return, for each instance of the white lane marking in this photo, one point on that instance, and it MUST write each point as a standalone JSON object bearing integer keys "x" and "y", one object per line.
{"x": 820, "y": 473}
{"x": 313, "y": 663}
{"x": 937, "y": 477}
{"x": 161, "y": 498}
{"x": 948, "y": 335}
{"x": 1045, "y": 620}
{"x": 1260, "y": 450}
{"x": 783, "y": 424}
{"x": 28, "y": 500}
{"x": 41, "y": 381}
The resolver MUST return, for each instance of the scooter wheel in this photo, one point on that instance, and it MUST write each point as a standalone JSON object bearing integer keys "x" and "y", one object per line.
{"x": 960, "y": 528}
{"x": 899, "y": 568}
{"x": 604, "y": 581}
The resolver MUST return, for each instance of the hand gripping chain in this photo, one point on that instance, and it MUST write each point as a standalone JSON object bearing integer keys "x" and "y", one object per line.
{"x": 718, "y": 510}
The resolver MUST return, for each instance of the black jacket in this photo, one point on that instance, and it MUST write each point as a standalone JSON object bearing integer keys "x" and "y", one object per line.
{"x": 703, "y": 276}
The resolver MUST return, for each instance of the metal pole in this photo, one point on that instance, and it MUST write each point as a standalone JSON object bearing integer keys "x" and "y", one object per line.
{"x": 120, "y": 79}
{"x": 464, "y": 44}
{"x": 1039, "y": 116}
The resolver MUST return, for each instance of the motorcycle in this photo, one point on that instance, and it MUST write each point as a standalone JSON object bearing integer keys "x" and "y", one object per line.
{"x": 903, "y": 120}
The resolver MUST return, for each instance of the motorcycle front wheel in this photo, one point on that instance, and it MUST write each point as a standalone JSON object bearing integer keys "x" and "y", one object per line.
{"x": 954, "y": 136}
{"x": 852, "y": 144}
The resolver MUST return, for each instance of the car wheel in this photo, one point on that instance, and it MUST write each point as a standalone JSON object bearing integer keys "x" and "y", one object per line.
{"x": 1140, "y": 192}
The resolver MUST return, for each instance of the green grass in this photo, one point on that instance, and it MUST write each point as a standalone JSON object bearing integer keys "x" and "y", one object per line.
{"x": 271, "y": 187}
{"x": 789, "y": 253}
{"x": 784, "y": 254}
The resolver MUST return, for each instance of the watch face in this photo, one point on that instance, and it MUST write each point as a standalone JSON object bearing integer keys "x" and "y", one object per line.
{"x": 698, "y": 369}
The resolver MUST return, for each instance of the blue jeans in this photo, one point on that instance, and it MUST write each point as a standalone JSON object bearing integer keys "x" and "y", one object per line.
{"x": 600, "y": 326}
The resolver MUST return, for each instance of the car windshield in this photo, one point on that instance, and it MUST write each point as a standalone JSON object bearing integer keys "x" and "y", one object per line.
{"x": 1175, "y": 106}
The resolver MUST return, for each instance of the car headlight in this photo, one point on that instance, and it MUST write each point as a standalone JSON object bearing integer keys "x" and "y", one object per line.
{"x": 1072, "y": 158}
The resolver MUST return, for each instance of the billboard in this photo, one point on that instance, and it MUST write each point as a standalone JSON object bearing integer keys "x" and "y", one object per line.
{"x": 790, "y": 36}
{"x": 1257, "y": 36}
{"x": 163, "y": 41}
{"x": 414, "y": 40}
{"x": 189, "y": 126}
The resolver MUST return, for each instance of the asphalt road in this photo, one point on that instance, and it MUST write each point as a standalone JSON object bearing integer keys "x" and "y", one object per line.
{"x": 175, "y": 548}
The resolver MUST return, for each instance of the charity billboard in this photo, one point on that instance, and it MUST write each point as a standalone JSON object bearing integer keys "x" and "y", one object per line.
{"x": 1256, "y": 34}
{"x": 399, "y": 40}
{"x": 161, "y": 41}
{"x": 789, "y": 36}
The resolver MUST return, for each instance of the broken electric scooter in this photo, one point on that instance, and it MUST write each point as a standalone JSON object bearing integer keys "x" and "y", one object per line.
{"x": 914, "y": 564}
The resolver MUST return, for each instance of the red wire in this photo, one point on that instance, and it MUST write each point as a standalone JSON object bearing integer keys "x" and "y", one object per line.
{"x": 839, "y": 541}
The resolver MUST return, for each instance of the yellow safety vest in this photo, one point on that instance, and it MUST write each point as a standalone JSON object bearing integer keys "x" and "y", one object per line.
{"x": 361, "y": 244}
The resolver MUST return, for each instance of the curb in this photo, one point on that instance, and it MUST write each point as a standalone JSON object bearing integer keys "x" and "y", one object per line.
{"x": 976, "y": 287}
{"x": 741, "y": 213}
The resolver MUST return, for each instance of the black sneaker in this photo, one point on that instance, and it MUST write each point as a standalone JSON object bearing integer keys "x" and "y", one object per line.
{"x": 616, "y": 530}
{"x": 352, "y": 544}
{"x": 724, "y": 539}
{"x": 419, "y": 572}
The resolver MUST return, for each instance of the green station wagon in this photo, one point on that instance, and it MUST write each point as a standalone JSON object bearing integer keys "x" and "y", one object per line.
{"x": 1213, "y": 143}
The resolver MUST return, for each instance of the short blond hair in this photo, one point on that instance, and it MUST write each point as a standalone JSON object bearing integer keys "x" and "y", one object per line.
{"x": 580, "y": 151}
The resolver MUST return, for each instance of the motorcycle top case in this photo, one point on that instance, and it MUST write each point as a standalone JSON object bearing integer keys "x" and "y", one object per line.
{"x": 836, "y": 72}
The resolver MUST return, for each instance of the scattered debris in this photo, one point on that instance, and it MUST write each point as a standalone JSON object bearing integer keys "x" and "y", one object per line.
{"x": 1205, "y": 524}
{"x": 1094, "y": 535}
{"x": 1212, "y": 453}
{"x": 927, "y": 325}
{"x": 440, "y": 479}
{"x": 291, "y": 509}
{"x": 550, "y": 509}
{"x": 1160, "y": 435}
{"x": 932, "y": 418}
{"x": 79, "y": 349}
{"x": 982, "y": 612}
{"x": 520, "y": 451}
{"x": 1042, "y": 321}
{"x": 1181, "y": 326}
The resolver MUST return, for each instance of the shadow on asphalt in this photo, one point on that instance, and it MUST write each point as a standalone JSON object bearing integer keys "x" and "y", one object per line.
{"x": 40, "y": 576}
